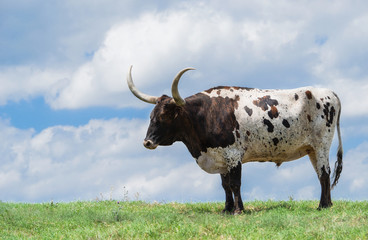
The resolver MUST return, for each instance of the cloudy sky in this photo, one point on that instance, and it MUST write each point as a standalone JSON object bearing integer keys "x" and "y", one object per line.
{"x": 71, "y": 130}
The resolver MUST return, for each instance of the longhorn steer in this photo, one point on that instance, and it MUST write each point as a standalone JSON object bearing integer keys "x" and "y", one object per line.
{"x": 224, "y": 127}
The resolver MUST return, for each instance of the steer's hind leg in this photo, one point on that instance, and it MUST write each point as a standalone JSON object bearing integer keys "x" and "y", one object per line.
{"x": 321, "y": 165}
{"x": 231, "y": 183}
{"x": 324, "y": 179}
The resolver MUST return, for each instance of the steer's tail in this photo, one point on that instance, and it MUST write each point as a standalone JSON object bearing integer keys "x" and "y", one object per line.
{"x": 338, "y": 163}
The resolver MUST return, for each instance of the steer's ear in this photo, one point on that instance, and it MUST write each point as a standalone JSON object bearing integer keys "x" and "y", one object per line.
{"x": 177, "y": 111}
{"x": 171, "y": 110}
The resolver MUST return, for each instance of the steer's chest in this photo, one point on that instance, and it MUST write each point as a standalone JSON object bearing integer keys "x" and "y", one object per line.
{"x": 219, "y": 160}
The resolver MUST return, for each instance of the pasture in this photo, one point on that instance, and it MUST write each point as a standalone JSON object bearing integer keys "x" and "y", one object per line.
{"x": 141, "y": 220}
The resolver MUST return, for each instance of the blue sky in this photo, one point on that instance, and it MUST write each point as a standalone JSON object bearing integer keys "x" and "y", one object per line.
{"x": 71, "y": 130}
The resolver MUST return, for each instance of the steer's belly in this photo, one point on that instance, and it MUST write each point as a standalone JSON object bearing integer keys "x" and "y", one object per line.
{"x": 275, "y": 156}
{"x": 221, "y": 160}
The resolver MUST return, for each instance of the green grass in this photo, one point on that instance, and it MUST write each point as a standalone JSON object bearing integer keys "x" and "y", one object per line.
{"x": 140, "y": 220}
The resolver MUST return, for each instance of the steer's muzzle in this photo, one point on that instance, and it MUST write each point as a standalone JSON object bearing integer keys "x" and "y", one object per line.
{"x": 149, "y": 144}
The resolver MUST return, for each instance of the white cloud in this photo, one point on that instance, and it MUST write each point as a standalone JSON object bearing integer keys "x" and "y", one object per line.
{"x": 159, "y": 44}
{"x": 307, "y": 193}
{"x": 257, "y": 193}
{"x": 186, "y": 182}
{"x": 343, "y": 65}
{"x": 281, "y": 45}
{"x": 352, "y": 93}
{"x": 296, "y": 179}
{"x": 69, "y": 163}
{"x": 27, "y": 82}
{"x": 293, "y": 172}
{"x": 66, "y": 163}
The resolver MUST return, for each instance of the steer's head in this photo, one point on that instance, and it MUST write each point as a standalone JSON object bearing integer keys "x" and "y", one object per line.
{"x": 166, "y": 120}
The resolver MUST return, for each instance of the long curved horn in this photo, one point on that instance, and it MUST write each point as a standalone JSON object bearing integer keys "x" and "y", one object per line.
{"x": 136, "y": 92}
{"x": 174, "y": 87}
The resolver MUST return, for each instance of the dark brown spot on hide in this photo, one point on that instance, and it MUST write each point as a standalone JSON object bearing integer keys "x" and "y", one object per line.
{"x": 275, "y": 141}
{"x": 318, "y": 106}
{"x": 248, "y": 133}
{"x": 332, "y": 114}
{"x": 273, "y": 113}
{"x": 285, "y": 123}
{"x": 309, "y": 94}
{"x": 269, "y": 125}
{"x": 329, "y": 114}
{"x": 296, "y": 96}
{"x": 237, "y": 98}
{"x": 237, "y": 134}
{"x": 309, "y": 118}
{"x": 248, "y": 110}
{"x": 264, "y": 102}
{"x": 209, "y": 90}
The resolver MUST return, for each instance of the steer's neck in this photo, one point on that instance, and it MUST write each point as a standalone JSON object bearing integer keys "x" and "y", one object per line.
{"x": 209, "y": 122}
{"x": 193, "y": 134}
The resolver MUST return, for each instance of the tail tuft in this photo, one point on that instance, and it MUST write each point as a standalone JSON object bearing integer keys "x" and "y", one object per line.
{"x": 338, "y": 168}
{"x": 338, "y": 163}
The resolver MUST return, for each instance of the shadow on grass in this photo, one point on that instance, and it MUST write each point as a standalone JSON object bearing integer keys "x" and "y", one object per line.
{"x": 267, "y": 206}
{"x": 249, "y": 207}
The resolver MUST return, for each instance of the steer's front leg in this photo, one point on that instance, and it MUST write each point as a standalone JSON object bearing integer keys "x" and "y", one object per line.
{"x": 229, "y": 203}
{"x": 235, "y": 183}
{"x": 231, "y": 183}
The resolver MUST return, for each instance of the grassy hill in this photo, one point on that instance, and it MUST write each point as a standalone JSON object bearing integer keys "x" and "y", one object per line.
{"x": 140, "y": 220}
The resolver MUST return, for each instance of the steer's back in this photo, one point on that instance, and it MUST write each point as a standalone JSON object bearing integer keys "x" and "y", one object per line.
{"x": 281, "y": 125}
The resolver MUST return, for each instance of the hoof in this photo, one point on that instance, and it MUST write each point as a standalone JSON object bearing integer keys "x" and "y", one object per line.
{"x": 226, "y": 212}
{"x": 324, "y": 206}
{"x": 238, "y": 212}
